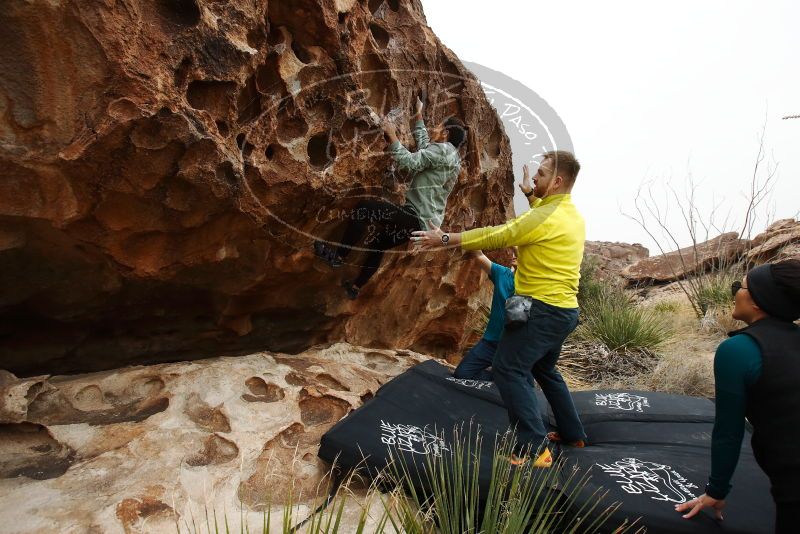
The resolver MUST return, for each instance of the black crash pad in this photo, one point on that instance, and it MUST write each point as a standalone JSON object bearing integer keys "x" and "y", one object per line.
{"x": 621, "y": 405}
{"x": 649, "y": 450}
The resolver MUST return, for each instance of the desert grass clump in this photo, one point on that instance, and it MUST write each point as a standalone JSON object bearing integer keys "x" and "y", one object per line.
{"x": 610, "y": 316}
{"x": 519, "y": 499}
{"x": 667, "y": 307}
{"x": 713, "y": 290}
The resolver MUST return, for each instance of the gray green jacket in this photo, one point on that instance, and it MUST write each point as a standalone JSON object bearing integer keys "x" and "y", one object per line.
{"x": 435, "y": 167}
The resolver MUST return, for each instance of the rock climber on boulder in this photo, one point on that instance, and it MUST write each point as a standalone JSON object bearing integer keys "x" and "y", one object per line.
{"x": 435, "y": 167}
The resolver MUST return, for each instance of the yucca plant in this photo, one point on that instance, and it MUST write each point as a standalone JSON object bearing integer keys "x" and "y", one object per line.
{"x": 713, "y": 290}
{"x": 614, "y": 320}
{"x": 518, "y": 499}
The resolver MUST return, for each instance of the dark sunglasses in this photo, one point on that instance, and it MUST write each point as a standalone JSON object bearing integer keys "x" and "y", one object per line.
{"x": 735, "y": 287}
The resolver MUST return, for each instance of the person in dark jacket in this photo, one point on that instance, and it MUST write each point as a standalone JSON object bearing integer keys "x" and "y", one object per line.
{"x": 757, "y": 376}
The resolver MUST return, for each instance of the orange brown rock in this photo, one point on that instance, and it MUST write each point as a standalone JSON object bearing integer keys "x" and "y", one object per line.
{"x": 166, "y": 165}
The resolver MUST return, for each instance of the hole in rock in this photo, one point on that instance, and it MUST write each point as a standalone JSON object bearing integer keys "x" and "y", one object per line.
{"x": 301, "y": 53}
{"x": 321, "y": 410}
{"x": 261, "y": 391}
{"x": 216, "y": 97}
{"x": 477, "y": 200}
{"x": 180, "y": 12}
{"x": 216, "y": 450}
{"x": 226, "y": 174}
{"x": 222, "y": 128}
{"x": 240, "y": 140}
{"x": 182, "y": 72}
{"x": 53, "y": 408}
{"x": 374, "y": 5}
{"x": 90, "y": 398}
{"x": 291, "y": 126}
{"x": 290, "y": 437}
{"x": 377, "y": 82}
{"x": 256, "y": 385}
{"x": 342, "y": 17}
{"x": 256, "y": 37}
{"x": 274, "y": 35}
{"x": 248, "y": 103}
{"x": 321, "y": 151}
{"x": 269, "y": 152}
{"x": 327, "y": 380}
{"x": 206, "y": 417}
{"x": 247, "y": 150}
{"x": 294, "y": 379}
{"x": 321, "y": 112}
{"x": 256, "y": 183}
{"x": 147, "y": 386}
{"x": 379, "y": 357}
{"x": 380, "y": 35}
{"x": 366, "y": 396}
{"x": 268, "y": 77}
{"x": 394, "y": 5}
{"x": 353, "y": 130}
{"x": 493, "y": 143}
{"x": 29, "y": 450}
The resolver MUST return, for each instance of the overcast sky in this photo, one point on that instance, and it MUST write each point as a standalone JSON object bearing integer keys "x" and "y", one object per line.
{"x": 650, "y": 91}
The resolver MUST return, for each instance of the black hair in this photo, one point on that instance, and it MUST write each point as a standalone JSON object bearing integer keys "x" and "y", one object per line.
{"x": 456, "y": 132}
{"x": 787, "y": 276}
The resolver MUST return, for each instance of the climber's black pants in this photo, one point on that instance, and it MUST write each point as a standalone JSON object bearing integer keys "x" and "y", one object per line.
{"x": 384, "y": 225}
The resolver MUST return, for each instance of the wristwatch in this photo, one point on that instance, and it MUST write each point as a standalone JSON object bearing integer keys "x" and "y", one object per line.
{"x": 529, "y": 193}
{"x": 445, "y": 238}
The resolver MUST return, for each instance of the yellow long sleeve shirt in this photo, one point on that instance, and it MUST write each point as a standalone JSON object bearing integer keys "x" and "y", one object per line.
{"x": 550, "y": 238}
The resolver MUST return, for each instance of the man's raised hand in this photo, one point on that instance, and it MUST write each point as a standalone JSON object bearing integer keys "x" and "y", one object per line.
{"x": 418, "y": 114}
{"x": 390, "y": 130}
{"x": 526, "y": 186}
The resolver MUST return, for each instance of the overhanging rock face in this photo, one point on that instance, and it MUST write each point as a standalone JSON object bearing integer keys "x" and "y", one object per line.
{"x": 166, "y": 165}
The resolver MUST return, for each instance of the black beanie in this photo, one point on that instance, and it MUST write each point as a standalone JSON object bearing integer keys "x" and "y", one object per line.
{"x": 769, "y": 297}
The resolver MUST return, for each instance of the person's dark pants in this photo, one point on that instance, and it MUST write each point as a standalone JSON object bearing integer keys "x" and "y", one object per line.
{"x": 534, "y": 348}
{"x": 386, "y": 225}
{"x": 476, "y": 362}
{"x": 787, "y": 517}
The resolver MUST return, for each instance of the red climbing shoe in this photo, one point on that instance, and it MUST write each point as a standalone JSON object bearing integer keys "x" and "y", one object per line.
{"x": 555, "y": 436}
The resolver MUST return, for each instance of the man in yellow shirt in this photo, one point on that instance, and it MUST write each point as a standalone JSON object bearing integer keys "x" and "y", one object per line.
{"x": 550, "y": 238}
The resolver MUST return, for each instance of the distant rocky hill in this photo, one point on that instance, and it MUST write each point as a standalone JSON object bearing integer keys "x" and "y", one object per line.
{"x": 780, "y": 240}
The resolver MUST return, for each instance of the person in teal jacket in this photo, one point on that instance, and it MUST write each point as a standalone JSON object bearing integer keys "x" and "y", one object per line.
{"x": 435, "y": 167}
{"x": 477, "y": 361}
{"x": 757, "y": 376}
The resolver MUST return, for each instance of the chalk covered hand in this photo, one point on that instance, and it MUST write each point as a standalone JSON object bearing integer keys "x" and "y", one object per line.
{"x": 418, "y": 114}
{"x": 429, "y": 239}
{"x": 704, "y": 501}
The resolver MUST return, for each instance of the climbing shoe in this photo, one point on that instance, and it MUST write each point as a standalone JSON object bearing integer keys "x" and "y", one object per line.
{"x": 556, "y": 437}
{"x": 517, "y": 461}
{"x": 544, "y": 460}
{"x": 350, "y": 289}
{"x": 327, "y": 254}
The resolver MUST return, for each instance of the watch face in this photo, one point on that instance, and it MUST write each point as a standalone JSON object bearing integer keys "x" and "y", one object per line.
{"x": 445, "y": 238}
